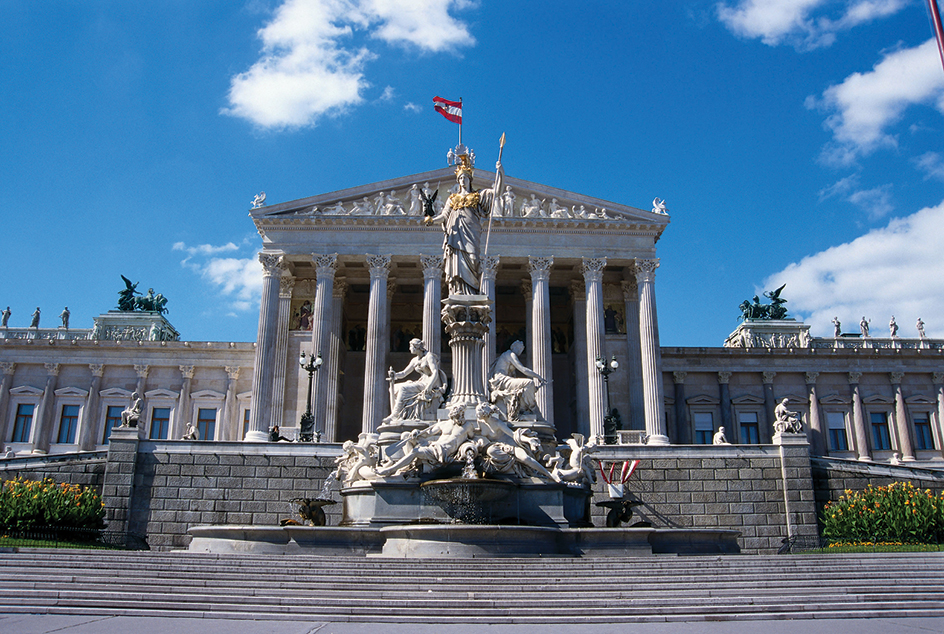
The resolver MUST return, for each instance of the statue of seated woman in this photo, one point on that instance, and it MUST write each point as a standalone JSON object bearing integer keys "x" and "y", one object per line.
{"x": 416, "y": 399}
{"x": 514, "y": 395}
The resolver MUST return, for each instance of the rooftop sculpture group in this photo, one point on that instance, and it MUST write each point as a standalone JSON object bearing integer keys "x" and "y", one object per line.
{"x": 753, "y": 309}
{"x": 128, "y": 302}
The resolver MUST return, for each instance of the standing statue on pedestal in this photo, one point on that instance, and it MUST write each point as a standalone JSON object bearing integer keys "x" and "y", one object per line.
{"x": 414, "y": 400}
{"x": 514, "y": 395}
{"x": 461, "y": 219}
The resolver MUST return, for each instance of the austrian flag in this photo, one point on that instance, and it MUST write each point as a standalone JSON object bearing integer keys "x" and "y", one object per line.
{"x": 452, "y": 110}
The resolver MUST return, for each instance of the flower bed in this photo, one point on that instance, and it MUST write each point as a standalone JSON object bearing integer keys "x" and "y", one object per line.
{"x": 30, "y": 504}
{"x": 898, "y": 513}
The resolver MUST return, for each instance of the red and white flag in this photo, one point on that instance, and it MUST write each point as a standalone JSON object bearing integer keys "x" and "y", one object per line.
{"x": 452, "y": 110}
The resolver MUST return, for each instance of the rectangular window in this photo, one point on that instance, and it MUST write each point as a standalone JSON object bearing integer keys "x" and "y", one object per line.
{"x": 68, "y": 423}
{"x": 923, "y": 437}
{"x": 704, "y": 428}
{"x": 23, "y": 422}
{"x": 206, "y": 423}
{"x": 245, "y": 423}
{"x": 160, "y": 423}
{"x": 837, "y": 431}
{"x": 750, "y": 429}
{"x": 112, "y": 420}
{"x": 880, "y": 438}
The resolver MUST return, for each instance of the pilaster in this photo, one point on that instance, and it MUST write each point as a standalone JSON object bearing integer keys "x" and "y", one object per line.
{"x": 88, "y": 427}
{"x": 818, "y": 439}
{"x": 901, "y": 419}
{"x": 46, "y": 416}
{"x": 858, "y": 419}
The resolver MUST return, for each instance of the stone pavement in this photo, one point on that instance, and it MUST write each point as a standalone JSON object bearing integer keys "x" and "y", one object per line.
{"x": 49, "y": 624}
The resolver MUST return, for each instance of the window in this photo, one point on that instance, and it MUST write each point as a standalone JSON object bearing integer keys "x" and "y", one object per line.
{"x": 23, "y": 422}
{"x": 160, "y": 423}
{"x": 112, "y": 420}
{"x": 836, "y": 422}
{"x": 880, "y": 438}
{"x": 245, "y": 422}
{"x": 922, "y": 426}
{"x": 750, "y": 429}
{"x": 68, "y": 423}
{"x": 206, "y": 423}
{"x": 704, "y": 428}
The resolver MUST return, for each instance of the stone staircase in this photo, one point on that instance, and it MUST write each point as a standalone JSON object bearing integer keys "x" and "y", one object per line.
{"x": 499, "y": 591}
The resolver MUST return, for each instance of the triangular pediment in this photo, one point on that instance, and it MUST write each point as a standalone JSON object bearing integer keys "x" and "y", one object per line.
{"x": 398, "y": 200}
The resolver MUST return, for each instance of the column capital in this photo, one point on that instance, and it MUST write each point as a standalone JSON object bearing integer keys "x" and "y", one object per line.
{"x": 896, "y": 377}
{"x": 724, "y": 377}
{"x": 432, "y": 266}
{"x": 937, "y": 377}
{"x": 646, "y": 269}
{"x": 811, "y": 378}
{"x": 186, "y": 371}
{"x": 52, "y": 368}
{"x": 630, "y": 290}
{"x": 232, "y": 372}
{"x": 8, "y": 367}
{"x": 489, "y": 267}
{"x": 378, "y": 266}
{"x": 286, "y": 286}
{"x": 340, "y": 288}
{"x": 325, "y": 264}
{"x": 272, "y": 264}
{"x": 679, "y": 377}
{"x": 142, "y": 370}
{"x": 769, "y": 377}
{"x": 98, "y": 369}
{"x": 592, "y": 269}
{"x": 540, "y": 268}
{"x": 854, "y": 378}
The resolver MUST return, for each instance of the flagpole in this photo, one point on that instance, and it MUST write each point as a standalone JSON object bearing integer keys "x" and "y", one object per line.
{"x": 460, "y": 121}
{"x": 938, "y": 28}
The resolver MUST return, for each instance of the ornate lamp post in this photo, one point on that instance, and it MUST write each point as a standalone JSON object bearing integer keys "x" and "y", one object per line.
{"x": 610, "y": 420}
{"x": 307, "y": 433}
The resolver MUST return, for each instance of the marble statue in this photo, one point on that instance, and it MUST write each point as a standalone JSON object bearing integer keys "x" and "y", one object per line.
{"x": 532, "y": 207}
{"x": 514, "y": 395}
{"x": 919, "y": 325}
{"x": 837, "y": 327}
{"x": 864, "y": 326}
{"x": 658, "y": 206}
{"x": 336, "y": 209}
{"x": 578, "y": 466}
{"x": 508, "y": 202}
{"x": 416, "y": 399}
{"x": 435, "y": 446}
{"x": 507, "y": 450}
{"x": 132, "y": 414}
{"x": 558, "y": 211}
{"x": 416, "y": 202}
{"x": 64, "y": 316}
{"x": 893, "y": 328}
{"x": 34, "y": 322}
{"x": 719, "y": 438}
{"x": 359, "y": 460}
{"x": 6, "y": 317}
{"x": 787, "y": 420}
{"x": 391, "y": 205}
{"x": 192, "y": 433}
{"x": 258, "y": 200}
{"x": 362, "y": 207}
{"x": 461, "y": 219}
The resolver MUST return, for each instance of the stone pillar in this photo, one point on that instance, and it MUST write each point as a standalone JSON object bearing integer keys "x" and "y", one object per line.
{"x": 325, "y": 268}
{"x": 592, "y": 269}
{"x": 118, "y": 483}
{"x": 541, "y": 333}
{"x": 489, "y": 268}
{"x": 637, "y": 409}
{"x": 376, "y": 399}
{"x": 432, "y": 302}
{"x": 45, "y": 416}
{"x": 683, "y": 427}
{"x": 230, "y": 425}
{"x": 183, "y": 417}
{"x": 901, "y": 419}
{"x": 260, "y": 413}
{"x": 528, "y": 325}
{"x": 466, "y": 318}
{"x": 817, "y": 437}
{"x": 578, "y": 295}
{"x": 387, "y": 334}
{"x": 9, "y": 368}
{"x": 858, "y": 419}
{"x": 89, "y": 424}
{"x": 286, "y": 286}
{"x": 770, "y": 406}
{"x": 936, "y": 377}
{"x": 724, "y": 395}
{"x": 333, "y": 367}
{"x": 650, "y": 355}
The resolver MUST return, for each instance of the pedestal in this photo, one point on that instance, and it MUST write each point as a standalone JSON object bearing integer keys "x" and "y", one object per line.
{"x": 466, "y": 318}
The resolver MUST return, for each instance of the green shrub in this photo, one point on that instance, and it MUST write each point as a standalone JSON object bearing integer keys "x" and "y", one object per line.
{"x": 28, "y": 504}
{"x": 895, "y": 513}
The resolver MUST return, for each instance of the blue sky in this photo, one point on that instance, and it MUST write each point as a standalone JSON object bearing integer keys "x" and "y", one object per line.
{"x": 794, "y": 141}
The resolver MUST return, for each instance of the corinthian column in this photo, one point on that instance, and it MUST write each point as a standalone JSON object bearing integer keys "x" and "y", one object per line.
{"x": 260, "y": 412}
{"x": 817, "y": 440}
{"x": 333, "y": 367}
{"x": 376, "y": 358}
{"x": 901, "y": 418}
{"x": 88, "y": 429}
{"x": 487, "y": 287}
{"x": 9, "y": 369}
{"x": 286, "y": 286}
{"x": 592, "y": 269}
{"x": 325, "y": 268}
{"x": 432, "y": 302}
{"x": 182, "y": 419}
{"x": 650, "y": 355}
{"x": 541, "y": 333}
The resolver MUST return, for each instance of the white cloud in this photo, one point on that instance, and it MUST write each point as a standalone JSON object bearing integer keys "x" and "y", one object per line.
{"x": 310, "y": 66}
{"x": 896, "y": 270}
{"x": 865, "y": 105}
{"x": 804, "y": 24}
{"x": 238, "y": 279}
{"x": 932, "y": 164}
{"x": 877, "y": 202}
{"x": 412, "y": 107}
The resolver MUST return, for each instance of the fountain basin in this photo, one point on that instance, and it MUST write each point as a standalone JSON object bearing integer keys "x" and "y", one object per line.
{"x": 469, "y": 541}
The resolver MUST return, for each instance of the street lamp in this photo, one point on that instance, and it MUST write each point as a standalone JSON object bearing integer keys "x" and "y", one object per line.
{"x": 307, "y": 433}
{"x": 611, "y": 418}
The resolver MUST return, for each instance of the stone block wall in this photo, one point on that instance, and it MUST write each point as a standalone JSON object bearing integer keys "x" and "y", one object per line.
{"x": 833, "y": 476}
{"x": 82, "y": 469}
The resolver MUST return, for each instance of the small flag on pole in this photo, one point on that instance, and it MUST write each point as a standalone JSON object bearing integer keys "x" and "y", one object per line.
{"x": 452, "y": 110}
